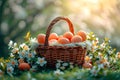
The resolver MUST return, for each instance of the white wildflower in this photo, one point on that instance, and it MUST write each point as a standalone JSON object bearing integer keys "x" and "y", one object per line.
{"x": 11, "y": 55}
{"x": 33, "y": 43}
{"x": 62, "y": 67}
{"x": 15, "y": 50}
{"x": 89, "y": 45}
{"x": 59, "y": 61}
{"x": 58, "y": 65}
{"x": 97, "y": 40}
{"x": 102, "y": 45}
{"x": 10, "y": 44}
{"x": 24, "y": 46}
{"x": 58, "y": 72}
{"x": 10, "y": 70}
{"x": 31, "y": 55}
{"x": 106, "y": 64}
{"x": 15, "y": 44}
{"x": 13, "y": 62}
{"x": 94, "y": 71}
{"x": 100, "y": 66}
{"x": 23, "y": 54}
{"x": 2, "y": 64}
{"x": 94, "y": 45}
{"x": 65, "y": 64}
{"x": 71, "y": 65}
{"x": 41, "y": 61}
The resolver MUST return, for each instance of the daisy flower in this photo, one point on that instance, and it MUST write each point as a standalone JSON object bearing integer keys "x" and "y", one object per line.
{"x": 41, "y": 61}
{"x": 62, "y": 67}
{"x": 103, "y": 45}
{"x": 65, "y": 64}
{"x": 100, "y": 66}
{"x": 71, "y": 65}
{"x": 12, "y": 63}
{"x": 29, "y": 56}
{"x": 94, "y": 71}
{"x": 58, "y": 65}
{"x": 15, "y": 50}
{"x": 10, "y": 70}
{"x": 23, "y": 54}
{"x": 24, "y": 46}
{"x": 11, "y": 55}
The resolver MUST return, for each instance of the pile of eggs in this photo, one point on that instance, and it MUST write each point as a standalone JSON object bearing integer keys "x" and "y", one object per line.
{"x": 66, "y": 38}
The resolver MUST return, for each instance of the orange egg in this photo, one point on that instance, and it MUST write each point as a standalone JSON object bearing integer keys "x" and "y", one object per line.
{"x": 87, "y": 65}
{"x": 61, "y": 36}
{"x": 41, "y": 38}
{"x": 24, "y": 66}
{"x": 82, "y": 34}
{"x": 76, "y": 39}
{"x": 68, "y": 35}
{"x": 63, "y": 41}
{"x": 53, "y": 36}
{"x": 52, "y": 41}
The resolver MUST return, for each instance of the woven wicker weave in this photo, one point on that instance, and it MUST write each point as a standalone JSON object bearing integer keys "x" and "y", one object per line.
{"x": 65, "y": 53}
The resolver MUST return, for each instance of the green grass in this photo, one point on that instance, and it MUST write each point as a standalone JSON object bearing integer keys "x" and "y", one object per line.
{"x": 75, "y": 74}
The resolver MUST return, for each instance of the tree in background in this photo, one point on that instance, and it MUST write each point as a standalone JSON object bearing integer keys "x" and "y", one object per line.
{"x": 20, "y": 16}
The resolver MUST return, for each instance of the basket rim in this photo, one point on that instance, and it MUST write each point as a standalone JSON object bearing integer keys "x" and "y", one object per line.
{"x": 60, "y": 47}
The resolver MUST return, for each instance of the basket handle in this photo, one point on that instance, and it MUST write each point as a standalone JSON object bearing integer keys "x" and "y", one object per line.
{"x": 51, "y": 26}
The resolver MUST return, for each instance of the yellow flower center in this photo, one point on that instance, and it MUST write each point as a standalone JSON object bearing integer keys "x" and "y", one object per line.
{"x": 25, "y": 47}
{"x": 9, "y": 70}
{"x": 94, "y": 44}
{"x": 118, "y": 56}
{"x": 103, "y": 61}
{"x": 13, "y": 63}
{"x": 41, "y": 61}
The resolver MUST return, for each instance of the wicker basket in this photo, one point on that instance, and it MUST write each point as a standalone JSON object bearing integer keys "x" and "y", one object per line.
{"x": 65, "y": 53}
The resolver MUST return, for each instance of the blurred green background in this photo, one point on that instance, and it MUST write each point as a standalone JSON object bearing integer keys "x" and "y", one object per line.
{"x": 17, "y": 17}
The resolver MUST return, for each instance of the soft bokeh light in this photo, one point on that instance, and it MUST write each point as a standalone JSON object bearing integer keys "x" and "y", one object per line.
{"x": 99, "y": 16}
{"x": 20, "y": 16}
